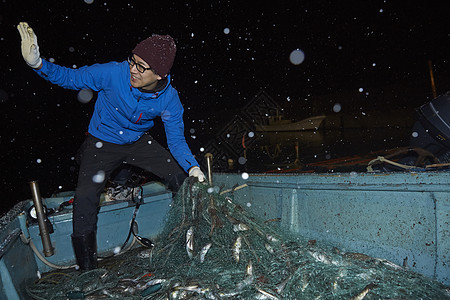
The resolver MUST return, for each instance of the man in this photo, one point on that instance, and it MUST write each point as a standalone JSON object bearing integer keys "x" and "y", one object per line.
{"x": 131, "y": 94}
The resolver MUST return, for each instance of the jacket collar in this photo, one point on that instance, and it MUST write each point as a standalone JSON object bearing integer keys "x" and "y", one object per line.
{"x": 159, "y": 87}
{"x": 138, "y": 94}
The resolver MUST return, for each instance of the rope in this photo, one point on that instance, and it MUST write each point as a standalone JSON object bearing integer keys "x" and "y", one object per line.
{"x": 235, "y": 189}
{"x": 382, "y": 159}
{"x": 406, "y": 167}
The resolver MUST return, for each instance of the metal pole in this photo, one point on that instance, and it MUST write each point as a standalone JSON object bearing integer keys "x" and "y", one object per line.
{"x": 209, "y": 157}
{"x": 45, "y": 236}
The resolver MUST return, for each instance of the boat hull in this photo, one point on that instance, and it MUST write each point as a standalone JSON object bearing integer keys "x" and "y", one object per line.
{"x": 401, "y": 217}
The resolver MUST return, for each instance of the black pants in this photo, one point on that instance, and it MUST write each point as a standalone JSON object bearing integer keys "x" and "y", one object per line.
{"x": 99, "y": 159}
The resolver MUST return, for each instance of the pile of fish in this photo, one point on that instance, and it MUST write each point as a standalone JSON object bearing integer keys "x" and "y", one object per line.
{"x": 212, "y": 248}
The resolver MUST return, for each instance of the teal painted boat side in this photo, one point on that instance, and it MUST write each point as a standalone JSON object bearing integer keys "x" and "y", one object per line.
{"x": 402, "y": 217}
{"x": 113, "y": 225}
{"x": 19, "y": 265}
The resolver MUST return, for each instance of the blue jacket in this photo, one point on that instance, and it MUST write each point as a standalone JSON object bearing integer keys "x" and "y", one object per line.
{"x": 122, "y": 113}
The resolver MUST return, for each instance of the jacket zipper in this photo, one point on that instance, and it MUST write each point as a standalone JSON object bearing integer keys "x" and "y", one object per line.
{"x": 138, "y": 118}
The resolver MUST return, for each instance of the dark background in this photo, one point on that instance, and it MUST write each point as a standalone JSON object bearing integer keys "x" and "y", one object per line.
{"x": 381, "y": 47}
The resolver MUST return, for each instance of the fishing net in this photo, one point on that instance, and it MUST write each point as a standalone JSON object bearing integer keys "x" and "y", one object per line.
{"x": 12, "y": 214}
{"x": 212, "y": 248}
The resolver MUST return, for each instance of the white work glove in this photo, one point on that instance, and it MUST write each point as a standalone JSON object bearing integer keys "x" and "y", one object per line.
{"x": 196, "y": 172}
{"x": 30, "y": 48}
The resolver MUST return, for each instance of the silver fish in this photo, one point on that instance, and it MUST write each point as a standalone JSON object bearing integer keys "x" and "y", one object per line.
{"x": 155, "y": 281}
{"x": 365, "y": 291}
{"x": 267, "y": 294}
{"x": 193, "y": 209}
{"x": 178, "y": 294}
{"x": 323, "y": 258}
{"x": 204, "y": 251}
{"x": 280, "y": 287}
{"x": 237, "y": 248}
{"x": 195, "y": 289}
{"x": 304, "y": 285}
{"x": 175, "y": 293}
{"x": 248, "y": 279}
{"x": 269, "y": 248}
{"x": 230, "y": 294}
{"x": 249, "y": 269}
{"x": 191, "y": 288}
{"x": 240, "y": 227}
{"x": 389, "y": 263}
{"x": 190, "y": 242}
{"x": 271, "y": 238}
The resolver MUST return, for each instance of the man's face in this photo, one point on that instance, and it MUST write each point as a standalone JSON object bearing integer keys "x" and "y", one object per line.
{"x": 146, "y": 80}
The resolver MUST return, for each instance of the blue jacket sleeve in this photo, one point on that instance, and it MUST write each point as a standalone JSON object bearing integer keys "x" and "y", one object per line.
{"x": 172, "y": 117}
{"x": 93, "y": 77}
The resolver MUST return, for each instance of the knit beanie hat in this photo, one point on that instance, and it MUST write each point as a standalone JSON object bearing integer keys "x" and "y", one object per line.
{"x": 158, "y": 51}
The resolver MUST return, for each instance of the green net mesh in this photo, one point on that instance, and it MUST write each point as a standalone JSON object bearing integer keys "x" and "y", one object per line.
{"x": 212, "y": 248}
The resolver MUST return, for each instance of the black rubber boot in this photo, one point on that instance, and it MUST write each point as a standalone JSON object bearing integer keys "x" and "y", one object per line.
{"x": 85, "y": 248}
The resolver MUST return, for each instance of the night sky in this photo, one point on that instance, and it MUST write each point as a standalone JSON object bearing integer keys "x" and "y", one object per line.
{"x": 227, "y": 52}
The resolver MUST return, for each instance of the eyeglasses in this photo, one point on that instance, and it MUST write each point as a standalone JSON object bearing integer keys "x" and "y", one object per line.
{"x": 139, "y": 67}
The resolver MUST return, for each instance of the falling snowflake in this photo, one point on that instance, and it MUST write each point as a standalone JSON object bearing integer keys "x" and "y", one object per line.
{"x": 99, "y": 177}
{"x": 297, "y": 57}
{"x": 337, "y": 107}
